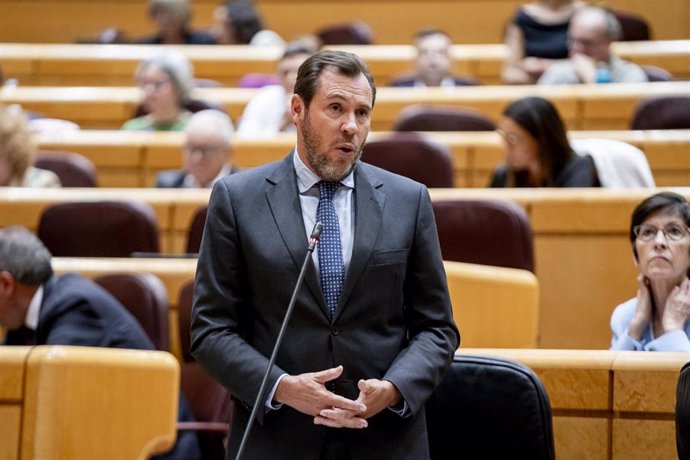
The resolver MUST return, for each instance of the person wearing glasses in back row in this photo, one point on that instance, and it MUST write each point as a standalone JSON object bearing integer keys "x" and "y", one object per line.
{"x": 206, "y": 153}
{"x": 591, "y": 32}
{"x": 657, "y": 318}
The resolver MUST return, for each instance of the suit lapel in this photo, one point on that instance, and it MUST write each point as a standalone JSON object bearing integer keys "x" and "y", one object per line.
{"x": 283, "y": 199}
{"x": 369, "y": 203}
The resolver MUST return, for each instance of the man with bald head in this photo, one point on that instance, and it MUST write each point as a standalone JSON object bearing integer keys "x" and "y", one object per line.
{"x": 591, "y": 32}
{"x": 206, "y": 153}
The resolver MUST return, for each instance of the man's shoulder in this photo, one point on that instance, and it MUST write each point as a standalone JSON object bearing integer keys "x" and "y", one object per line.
{"x": 170, "y": 178}
{"x": 387, "y": 180}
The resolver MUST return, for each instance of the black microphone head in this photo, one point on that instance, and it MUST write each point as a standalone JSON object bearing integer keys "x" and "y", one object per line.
{"x": 316, "y": 233}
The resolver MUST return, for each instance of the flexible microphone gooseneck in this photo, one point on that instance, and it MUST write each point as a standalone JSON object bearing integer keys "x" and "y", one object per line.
{"x": 315, "y": 234}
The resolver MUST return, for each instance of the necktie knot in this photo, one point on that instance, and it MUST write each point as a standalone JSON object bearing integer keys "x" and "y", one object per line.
{"x": 327, "y": 189}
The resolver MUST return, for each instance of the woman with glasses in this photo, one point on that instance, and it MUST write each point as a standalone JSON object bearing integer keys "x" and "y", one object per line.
{"x": 166, "y": 81}
{"x": 657, "y": 318}
{"x": 537, "y": 150}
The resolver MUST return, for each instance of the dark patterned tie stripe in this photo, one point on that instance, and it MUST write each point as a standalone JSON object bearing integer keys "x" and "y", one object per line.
{"x": 329, "y": 249}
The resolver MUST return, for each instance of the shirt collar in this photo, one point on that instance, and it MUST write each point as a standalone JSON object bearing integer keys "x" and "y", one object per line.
{"x": 34, "y": 310}
{"x": 306, "y": 178}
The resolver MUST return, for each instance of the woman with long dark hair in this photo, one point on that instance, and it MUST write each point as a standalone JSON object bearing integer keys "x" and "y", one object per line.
{"x": 538, "y": 153}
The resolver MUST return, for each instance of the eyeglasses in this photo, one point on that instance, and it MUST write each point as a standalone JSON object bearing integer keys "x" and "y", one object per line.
{"x": 510, "y": 139}
{"x": 672, "y": 232}
{"x": 156, "y": 85}
{"x": 585, "y": 42}
{"x": 205, "y": 150}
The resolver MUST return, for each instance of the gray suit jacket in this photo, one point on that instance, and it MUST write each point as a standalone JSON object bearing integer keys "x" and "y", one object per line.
{"x": 393, "y": 322}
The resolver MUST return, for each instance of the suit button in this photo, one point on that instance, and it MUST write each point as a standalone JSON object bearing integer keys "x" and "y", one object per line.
{"x": 335, "y": 331}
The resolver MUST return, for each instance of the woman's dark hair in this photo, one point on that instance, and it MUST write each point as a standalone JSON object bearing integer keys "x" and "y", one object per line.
{"x": 244, "y": 19}
{"x": 541, "y": 120}
{"x": 669, "y": 203}
{"x": 344, "y": 63}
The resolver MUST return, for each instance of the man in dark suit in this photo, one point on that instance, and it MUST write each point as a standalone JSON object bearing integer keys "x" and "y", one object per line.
{"x": 372, "y": 332}
{"x": 206, "y": 153}
{"x": 433, "y": 63}
{"x": 40, "y": 308}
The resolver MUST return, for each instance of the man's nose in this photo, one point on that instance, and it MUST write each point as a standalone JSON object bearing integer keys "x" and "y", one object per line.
{"x": 349, "y": 125}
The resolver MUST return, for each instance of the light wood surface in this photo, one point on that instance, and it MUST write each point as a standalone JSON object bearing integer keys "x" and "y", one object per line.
{"x": 115, "y": 65}
{"x": 606, "y": 404}
{"x": 582, "y": 252}
{"x": 78, "y": 402}
{"x": 494, "y": 306}
{"x": 582, "y": 107}
{"x": 132, "y": 159}
{"x": 393, "y": 21}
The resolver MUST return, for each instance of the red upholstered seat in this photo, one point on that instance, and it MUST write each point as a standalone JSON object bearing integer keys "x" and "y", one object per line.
{"x": 411, "y": 155}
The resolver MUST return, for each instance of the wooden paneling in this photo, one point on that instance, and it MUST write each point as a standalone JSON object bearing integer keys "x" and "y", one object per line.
{"x": 393, "y": 21}
{"x": 584, "y": 267}
{"x": 79, "y": 402}
{"x": 114, "y": 65}
{"x": 606, "y": 404}
{"x": 581, "y": 106}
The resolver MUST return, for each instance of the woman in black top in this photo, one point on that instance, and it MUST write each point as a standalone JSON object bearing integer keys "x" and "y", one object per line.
{"x": 537, "y": 34}
{"x": 538, "y": 153}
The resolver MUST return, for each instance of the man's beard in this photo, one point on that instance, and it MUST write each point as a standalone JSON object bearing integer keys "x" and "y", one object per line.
{"x": 319, "y": 162}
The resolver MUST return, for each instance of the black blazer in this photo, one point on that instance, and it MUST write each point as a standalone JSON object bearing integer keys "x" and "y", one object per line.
{"x": 394, "y": 319}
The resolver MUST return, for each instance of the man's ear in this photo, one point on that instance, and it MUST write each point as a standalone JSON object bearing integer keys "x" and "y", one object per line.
{"x": 296, "y": 107}
{"x": 7, "y": 284}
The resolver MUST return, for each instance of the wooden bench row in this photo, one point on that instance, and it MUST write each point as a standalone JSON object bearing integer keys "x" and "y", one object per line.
{"x": 61, "y": 402}
{"x": 497, "y": 306}
{"x": 582, "y": 107}
{"x": 115, "y": 65}
{"x": 132, "y": 159}
{"x": 468, "y": 21}
{"x": 606, "y": 405}
{"x": 582, "y": 252}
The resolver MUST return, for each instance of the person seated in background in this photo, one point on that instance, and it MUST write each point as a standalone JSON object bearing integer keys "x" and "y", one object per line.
{"x": 268, "y": 112}
{"x": 433, "y": 62}
{"x": 239, "y": 23}
{"x": 166, "y": 81}
{"x": 172, "y": 21}
{"x": 591, "y": 32}
{"x": 18, "y": 151}
{"x": 656, "y": 319}
{"x": 537, "y": 34}
{"x": 538, "y": 153}
{"x": 206, "y": 153}
{"x": 38, "y": 307}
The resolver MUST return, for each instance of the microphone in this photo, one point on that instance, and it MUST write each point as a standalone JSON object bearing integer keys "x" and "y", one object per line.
{"x": 313, "y": 240}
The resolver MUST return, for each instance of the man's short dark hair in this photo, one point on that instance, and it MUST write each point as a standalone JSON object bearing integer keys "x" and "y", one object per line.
{"x": 342, "y": 62}
{"x": 24, "y": 256}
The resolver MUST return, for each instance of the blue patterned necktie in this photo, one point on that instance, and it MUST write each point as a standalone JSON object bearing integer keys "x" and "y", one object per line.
{"x": 329, "y": 249}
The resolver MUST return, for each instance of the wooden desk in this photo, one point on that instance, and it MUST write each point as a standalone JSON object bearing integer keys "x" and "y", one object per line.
{"x": 581, "y": 106}
{"x": 115, "y": 65}
{"x": 475, "y": 291}
{"x": 468, "y": 21}
{"x": 606, "y": 404}
{"x": 59, "y": 401}
{"x": 582, "y": 252}
{"x": 132, "y": 159}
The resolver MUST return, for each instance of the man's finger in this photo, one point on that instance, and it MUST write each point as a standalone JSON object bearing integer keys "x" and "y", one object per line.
{"x": 328, "y": 374}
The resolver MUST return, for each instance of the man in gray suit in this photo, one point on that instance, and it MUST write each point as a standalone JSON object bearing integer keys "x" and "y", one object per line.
{"x": 372, "y": 332}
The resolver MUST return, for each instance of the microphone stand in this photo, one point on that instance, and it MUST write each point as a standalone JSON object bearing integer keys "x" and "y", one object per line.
{"x": 315, "y": 234}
